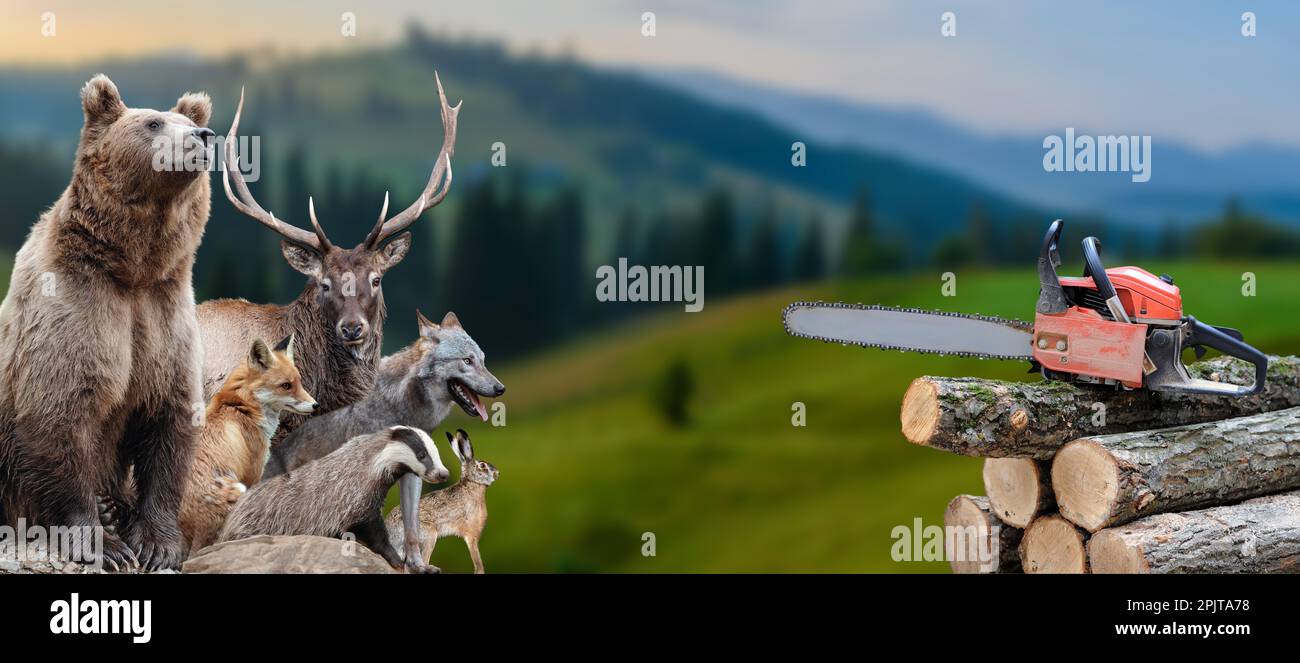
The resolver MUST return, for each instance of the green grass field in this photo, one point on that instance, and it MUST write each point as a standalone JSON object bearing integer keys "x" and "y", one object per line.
{"x": 587, "y": 465}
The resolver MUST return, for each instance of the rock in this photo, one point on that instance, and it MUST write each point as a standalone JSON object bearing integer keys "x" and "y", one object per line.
{"x": 287, "y": 554}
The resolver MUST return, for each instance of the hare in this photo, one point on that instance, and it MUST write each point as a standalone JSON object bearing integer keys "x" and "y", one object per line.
{"x": 458, "y": 510}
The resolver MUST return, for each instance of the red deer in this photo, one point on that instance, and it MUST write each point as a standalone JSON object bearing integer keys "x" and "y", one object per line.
{"x": 337, "y": 322}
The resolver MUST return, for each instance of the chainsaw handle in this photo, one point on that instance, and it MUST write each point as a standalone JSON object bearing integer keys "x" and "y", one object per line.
{"x": 1092, "y": 267}
{"x": 1212, "y": 337}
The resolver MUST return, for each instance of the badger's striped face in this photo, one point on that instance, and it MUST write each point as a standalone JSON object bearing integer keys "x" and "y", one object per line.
{"x": 412, "y": 449}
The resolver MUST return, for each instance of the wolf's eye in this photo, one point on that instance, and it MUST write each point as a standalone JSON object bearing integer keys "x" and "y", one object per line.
{"x": 469, "y": 361}
{"x": 154, "y": 125}
{"x": 287, "y": 386}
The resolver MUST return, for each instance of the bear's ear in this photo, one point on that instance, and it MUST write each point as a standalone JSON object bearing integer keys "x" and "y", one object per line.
{"x": 101, "y": 101}
{"x": 195, "y": 105}
{"x": 304, "y": 260}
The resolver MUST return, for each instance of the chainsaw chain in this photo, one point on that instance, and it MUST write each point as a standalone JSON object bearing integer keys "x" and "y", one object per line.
{"x": 1015, "y": 324}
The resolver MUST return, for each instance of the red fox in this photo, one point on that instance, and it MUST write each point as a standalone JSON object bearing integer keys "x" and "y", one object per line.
{"x": 235, "y": 441}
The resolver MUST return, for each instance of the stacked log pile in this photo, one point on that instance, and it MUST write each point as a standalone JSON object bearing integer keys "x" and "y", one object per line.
{"x": 1087, "y": 480}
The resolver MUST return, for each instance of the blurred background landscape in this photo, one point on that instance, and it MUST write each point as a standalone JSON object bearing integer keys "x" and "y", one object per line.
{"x": 629, "y": 418}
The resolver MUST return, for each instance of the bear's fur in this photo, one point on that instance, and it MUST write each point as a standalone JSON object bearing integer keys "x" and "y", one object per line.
{"x": 99, "y": 355}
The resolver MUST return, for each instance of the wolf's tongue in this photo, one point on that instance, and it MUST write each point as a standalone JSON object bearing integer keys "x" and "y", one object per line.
{"x": 478, "y": 405}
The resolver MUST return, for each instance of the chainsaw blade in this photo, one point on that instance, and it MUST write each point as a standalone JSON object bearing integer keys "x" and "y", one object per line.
{"x": 911, "y": 330}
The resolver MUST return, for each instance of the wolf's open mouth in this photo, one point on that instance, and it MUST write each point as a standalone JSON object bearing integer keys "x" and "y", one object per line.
{"x": 466, "y": 399}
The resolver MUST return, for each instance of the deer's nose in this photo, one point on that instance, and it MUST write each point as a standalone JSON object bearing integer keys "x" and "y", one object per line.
{"x": 352, "y": 330}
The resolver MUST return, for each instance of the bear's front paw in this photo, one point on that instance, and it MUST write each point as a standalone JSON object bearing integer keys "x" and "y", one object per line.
{"x": 115, "y": 555}
{"x": 156, "y": 548}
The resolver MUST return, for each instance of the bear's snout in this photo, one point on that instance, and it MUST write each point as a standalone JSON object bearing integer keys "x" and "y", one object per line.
{"x": 204, "y": 134}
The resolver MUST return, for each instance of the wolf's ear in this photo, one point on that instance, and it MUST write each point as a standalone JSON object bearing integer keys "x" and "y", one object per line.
{"x": 428, "y": 330}
{"x": 286, "y": 346}
{"x": 450, "y": 320}
{"x": 394, "y": 251}
{"x": 259, "y": 356}
{"x": 195, "y": 105}
{"x": 304, "y": 260}
{"x": 101, "y": 102}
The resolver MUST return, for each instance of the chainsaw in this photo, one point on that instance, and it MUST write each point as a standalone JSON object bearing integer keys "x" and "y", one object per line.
{"x": 1122, "y": 327}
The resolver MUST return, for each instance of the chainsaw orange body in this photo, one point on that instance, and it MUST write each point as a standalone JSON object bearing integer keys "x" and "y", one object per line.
{"x": 1124, "y": 326}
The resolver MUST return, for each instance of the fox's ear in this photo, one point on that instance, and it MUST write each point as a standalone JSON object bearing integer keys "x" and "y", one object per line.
{"x": 195, "y": 105}
{"x": 450, "y": 320}
{"x": 259, "y": 356}
{"x": 286, "y": 346}
{"x": 101, "y": 102}
{"x": 427, "y": 328}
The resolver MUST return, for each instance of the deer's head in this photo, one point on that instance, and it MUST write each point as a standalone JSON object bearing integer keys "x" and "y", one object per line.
{"x": 346, "y": 282}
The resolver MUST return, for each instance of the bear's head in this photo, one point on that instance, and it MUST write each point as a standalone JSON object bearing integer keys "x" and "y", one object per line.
{"x": 139, "y": 152}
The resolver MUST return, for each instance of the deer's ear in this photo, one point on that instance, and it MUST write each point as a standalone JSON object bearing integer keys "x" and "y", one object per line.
{"x": 306, "y": 261}
{"x": 195, "y": 105}
{"x": 259, "y": 356}
{"x": 394, "y": 251}
{"x": 101, "y": 102}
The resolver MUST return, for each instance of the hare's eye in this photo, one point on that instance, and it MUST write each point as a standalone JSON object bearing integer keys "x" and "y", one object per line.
{"x": 482, "y": 466}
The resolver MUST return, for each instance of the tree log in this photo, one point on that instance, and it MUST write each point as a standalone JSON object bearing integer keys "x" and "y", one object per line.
{"x": 993, "y": 418}
{"x": 1052, "y": 544}
{"x": 977, "y": 542}
{"x": 1257, "y": 536}
{"x": 1019, "y": 489}
{"x": 1110, "y": 480}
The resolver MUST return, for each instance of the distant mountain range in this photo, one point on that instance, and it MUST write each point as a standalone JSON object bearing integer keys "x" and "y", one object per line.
{"x": 1186, "y": 185}
{"x": 627, "y": 140}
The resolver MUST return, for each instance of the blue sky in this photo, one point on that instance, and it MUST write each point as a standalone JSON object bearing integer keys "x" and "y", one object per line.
{"x": 1181, "y": 69}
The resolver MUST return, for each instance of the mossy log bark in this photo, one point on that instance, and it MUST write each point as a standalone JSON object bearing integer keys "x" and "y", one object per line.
{"x": 976, "y": 541}
{"x": 993, "y": 418}
{"x": 1110, "y": 480}
{"x": 1261, "y": 535}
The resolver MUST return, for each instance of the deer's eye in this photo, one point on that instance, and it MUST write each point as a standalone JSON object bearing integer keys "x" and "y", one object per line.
{"x": 374, "y": 283}
{"x": 325, "y": 286}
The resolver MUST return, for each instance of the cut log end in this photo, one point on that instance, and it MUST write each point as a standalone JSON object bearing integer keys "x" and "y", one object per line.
{"x": 1086, "y": 479}
{"x": 1109, "y": 552}
{"x": 920, "y": 414}
{"x": 1017, "y": 488}
{"x": 977, "y": 542}
{"x": 1053, "y": 544}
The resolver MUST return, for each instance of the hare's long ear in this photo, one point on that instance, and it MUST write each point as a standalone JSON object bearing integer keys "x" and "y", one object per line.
{"x": 455, "y": 446}
{"x": 466, "y": 449}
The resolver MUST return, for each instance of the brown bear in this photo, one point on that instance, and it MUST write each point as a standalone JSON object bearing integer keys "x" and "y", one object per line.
{"x": 99, "y": 352}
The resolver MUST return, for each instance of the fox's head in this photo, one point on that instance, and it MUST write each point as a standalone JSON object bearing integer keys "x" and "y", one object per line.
{"x": 274, "y": 380}
{"x": 452, "y": 368}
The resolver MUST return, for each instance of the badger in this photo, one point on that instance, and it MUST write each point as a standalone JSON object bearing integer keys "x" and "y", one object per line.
{"x": 341, "y": 492}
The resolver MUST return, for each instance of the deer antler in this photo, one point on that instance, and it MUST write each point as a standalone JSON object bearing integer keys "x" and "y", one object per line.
{"x": 246, "y": 204}
{"x": 432, "y": 195}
